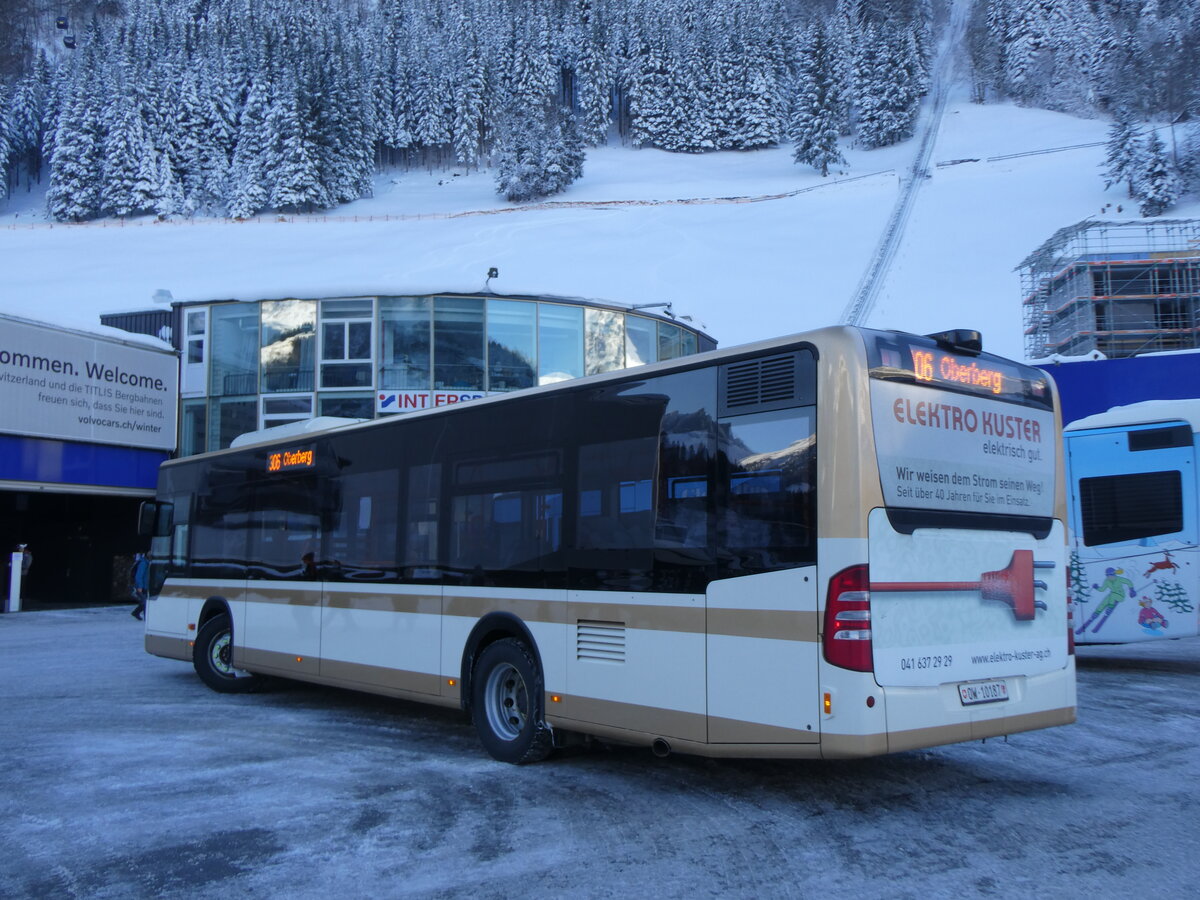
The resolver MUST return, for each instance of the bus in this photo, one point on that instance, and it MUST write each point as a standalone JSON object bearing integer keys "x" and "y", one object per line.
{"x": 1134, "y": 566}
{"x": 839, "y": 544}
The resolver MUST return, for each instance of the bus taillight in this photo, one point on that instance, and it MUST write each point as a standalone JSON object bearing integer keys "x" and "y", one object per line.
{"x": 847, "y": 637}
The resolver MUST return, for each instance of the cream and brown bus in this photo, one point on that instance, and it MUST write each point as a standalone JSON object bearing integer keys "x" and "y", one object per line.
{"x": 838, "y": 544}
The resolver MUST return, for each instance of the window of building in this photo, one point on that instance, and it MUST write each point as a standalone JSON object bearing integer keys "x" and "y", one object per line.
{"x": 560, "y": 342}
{"x": 512, "y": 342}
{"x": 194, "y": 367}
{"x": 234, "y": 349}
{"x": 346, "y": 343}
{"x": 670, "y": 341}
{"x": 228, "y": 417}
{"x": 283, "y": 410}
{"x": 193, "y": 427}
{"x": 641, "y": 344}
{"x": 406, "y": 323}
{"x": 288, "y": 337}
{"x": 458, "y": 343}
{"x": 348, "y": 406}
{"x": 604, "y": 341}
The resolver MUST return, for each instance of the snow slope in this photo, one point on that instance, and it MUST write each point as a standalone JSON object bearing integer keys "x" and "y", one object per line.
{"x": 749, "y": 245}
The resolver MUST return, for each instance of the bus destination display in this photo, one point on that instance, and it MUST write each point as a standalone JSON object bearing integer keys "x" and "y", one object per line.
{"x": 284, "y": 460}
{"x": 931, "y": 366}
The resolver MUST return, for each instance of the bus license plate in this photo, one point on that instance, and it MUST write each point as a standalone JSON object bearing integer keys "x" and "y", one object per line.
{"x": 983, "y": 692}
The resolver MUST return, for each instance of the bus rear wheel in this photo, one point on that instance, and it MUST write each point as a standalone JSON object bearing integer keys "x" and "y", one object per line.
{"x": 507, "y": 699}
{"x": 212, "y": 657}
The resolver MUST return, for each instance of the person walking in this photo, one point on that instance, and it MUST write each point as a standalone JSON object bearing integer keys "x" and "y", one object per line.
{"x": 141, "y": 584}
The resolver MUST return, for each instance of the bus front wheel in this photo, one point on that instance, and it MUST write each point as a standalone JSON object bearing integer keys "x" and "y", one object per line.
{"x": 212, "y": 657}
{"x": 507, "y": 699}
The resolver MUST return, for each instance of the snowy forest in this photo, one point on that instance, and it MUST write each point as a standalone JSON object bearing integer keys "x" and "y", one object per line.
{"x": 235, "y": 107}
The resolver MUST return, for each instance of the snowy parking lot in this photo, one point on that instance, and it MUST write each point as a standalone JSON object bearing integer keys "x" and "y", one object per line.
{"x": 123, "y": 776}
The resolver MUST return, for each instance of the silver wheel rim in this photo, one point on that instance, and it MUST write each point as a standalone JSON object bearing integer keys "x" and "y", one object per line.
{"x": 220, "y": 655}
{"x": 506, "y": 701}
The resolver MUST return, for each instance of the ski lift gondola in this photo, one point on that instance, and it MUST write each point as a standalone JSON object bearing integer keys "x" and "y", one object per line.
{"x": 61, "y": 23}
{"x": 69, "y": 41}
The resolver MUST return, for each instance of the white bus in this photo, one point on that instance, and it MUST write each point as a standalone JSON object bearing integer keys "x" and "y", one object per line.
{"x": 839, "y": 544}
{"x": 1135, "y": 567}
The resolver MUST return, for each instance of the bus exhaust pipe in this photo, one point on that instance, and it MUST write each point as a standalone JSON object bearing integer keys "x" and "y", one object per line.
{"x": 660, "y": 748}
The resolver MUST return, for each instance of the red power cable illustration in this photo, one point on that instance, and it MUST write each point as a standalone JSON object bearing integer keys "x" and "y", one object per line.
{"x": 1013, "y": 585}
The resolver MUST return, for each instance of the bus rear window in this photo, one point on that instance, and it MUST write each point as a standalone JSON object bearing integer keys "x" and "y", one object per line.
{"x": 1119, "y": 508}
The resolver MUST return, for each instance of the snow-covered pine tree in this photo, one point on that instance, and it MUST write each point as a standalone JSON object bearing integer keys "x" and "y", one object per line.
{"x": 5, "y": 146}
{"x": 813, "y": 128}
{"x": 1157, "y": 186}
{"x": 649, "y": 91}
{"x": 24, "y": 118}
{"x": 519, "y": 153}
{"x": 870, "y": 77}
{"x": 469, "y": 82}
{"x": 250, "y": 183}
{"x": 1122, "y": 161}
{"x": 79, "y": 131}
{"x": 593, "y": 78}
{"x": 294, "y": 160}
{"x": 125, "y": 154}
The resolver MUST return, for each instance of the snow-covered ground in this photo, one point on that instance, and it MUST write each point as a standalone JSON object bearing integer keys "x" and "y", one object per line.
{"x": 124, "y": 776}
{"x": 749, "y": 245}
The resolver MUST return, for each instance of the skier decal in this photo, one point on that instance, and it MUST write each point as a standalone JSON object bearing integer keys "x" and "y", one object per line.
{"x": 1114, "y": 588}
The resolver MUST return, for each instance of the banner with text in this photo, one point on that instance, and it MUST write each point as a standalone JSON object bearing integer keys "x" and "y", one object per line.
{"x": 72, "y": 386}
{"x": 943, "y": 450}
{"x": 410, "y": 401}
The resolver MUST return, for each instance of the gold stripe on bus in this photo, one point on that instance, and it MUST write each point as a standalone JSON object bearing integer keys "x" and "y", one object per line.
{"x": 733, "y": 731}
{"x": 655, "y": 722}
{"x": 782, "y": 625}
{"x": 686, "y": 619}
{"x": 257, "y": 592}
{"x": 272, "y": 662}
{"x": 423, "y": 604}
{"x": 752, "y": 623}
{"x": 526, "y": 609}
{"x": 648, "y": 720}
{"x": 362, "y": 676}
{"x": 978, "y": 729}
{"x": 169, "y": 647}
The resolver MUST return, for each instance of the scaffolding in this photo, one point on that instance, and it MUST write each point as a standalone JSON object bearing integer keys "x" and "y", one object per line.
{"x": 1122, "y": 288}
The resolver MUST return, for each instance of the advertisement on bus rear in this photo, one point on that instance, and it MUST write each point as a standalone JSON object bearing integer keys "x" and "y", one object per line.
{"x": 953, "y": 451}
{"x": 956, "y": 604}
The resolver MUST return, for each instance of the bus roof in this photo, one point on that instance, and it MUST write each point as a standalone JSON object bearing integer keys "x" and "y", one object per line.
{"x": 1146, "y": 412}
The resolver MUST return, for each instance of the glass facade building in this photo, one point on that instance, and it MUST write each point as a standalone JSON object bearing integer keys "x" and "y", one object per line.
{"x": 247, "y": 365}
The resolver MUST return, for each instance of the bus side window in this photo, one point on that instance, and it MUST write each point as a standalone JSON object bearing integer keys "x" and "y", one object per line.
{"x": 285, "y": 533}
{"x": 360, "y": 544}
{"x": 768, "y": 469}
{"x": 420, "y": 555}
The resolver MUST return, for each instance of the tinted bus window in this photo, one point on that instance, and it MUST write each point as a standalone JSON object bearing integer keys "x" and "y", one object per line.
{"x": 768, "y": 471}
{"x": 1115, "y": 508}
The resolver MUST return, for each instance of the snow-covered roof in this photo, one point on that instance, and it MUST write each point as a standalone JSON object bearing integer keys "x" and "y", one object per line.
{"x": 1144, "y": 413}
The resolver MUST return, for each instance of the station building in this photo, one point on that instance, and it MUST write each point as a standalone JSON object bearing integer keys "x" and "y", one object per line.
{"x": 85, "y": 421}
{"x": 247, "y": 365}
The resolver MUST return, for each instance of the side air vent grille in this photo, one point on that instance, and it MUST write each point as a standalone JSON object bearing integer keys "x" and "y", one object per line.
{"x": 769, "y": 382}
{"x": 600, "y": 641}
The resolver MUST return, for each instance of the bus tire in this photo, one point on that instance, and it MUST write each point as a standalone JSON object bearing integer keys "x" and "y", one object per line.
{"x": 507, "y": 700}
{"x": 212, "y": 657}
